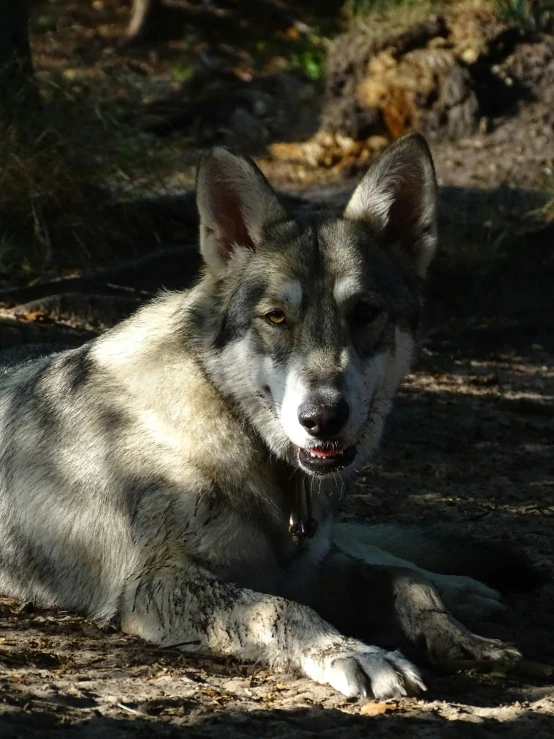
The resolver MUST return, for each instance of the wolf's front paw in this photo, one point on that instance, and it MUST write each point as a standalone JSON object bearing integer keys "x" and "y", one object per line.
{"x": 427, "y": 623}
{"x": 465, "y": 645}
{"x": 355, "y": 669}
{"x": 468, "y": 599}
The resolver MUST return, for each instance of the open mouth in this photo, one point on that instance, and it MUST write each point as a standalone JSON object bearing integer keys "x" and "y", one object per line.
{"x": 323, "y": 459}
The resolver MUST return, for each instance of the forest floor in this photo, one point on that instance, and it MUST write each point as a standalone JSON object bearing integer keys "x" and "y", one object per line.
{"x": 471, "y": 439}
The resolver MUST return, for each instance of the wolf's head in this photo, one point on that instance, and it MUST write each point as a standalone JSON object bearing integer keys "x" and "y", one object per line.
{"x": 313, "y": 318}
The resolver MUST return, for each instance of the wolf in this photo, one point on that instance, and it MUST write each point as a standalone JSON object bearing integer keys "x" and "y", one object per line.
{"x": 180, "y": 473}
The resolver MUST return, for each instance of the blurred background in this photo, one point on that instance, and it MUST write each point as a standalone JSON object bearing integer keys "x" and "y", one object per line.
{"x": 106, "y": 105}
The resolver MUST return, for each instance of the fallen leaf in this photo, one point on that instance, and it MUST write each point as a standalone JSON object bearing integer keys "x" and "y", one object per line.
{"x": 32, "y": 316}
{"x": 293, "y": 33}
{"x": 375, "y": 709}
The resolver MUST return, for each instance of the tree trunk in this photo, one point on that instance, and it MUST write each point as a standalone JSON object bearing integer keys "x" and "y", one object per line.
{"x": 143, "y": 15}
{"x": 19, "y": 97}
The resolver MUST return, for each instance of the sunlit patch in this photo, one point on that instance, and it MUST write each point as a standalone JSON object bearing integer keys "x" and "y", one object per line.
{"x": 291, "y": 294}
{"x": 345, "y": 288}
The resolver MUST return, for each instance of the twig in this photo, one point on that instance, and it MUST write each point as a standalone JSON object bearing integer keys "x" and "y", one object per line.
{"x": 171, "y": 268}
{"x": 129, "y": 710}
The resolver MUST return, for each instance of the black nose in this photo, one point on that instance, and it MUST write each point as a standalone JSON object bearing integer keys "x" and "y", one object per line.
{"x": 324, "y": 419}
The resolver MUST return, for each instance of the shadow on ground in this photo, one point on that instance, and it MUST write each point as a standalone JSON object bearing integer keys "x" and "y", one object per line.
{"x": 42, "y": 719}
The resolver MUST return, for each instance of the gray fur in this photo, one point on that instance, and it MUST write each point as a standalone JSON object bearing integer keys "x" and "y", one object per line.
{"x": 150, "y": 474}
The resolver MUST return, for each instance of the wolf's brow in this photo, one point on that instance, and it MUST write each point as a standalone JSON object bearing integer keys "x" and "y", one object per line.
{"x": 345, "y": 288}
{"x": 291, "y": 293}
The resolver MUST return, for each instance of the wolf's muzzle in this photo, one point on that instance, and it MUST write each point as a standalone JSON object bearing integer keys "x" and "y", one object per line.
{"x": 323, "y": 420}
{"x": 321, "y": 460}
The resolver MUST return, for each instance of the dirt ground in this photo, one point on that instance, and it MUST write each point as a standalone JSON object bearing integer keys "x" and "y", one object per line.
{"x": 470, "y": 442}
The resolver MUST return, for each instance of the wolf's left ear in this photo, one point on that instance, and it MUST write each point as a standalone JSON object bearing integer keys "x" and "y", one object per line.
{"x": 398, "y": 196}
{"x": 235, "y": 202}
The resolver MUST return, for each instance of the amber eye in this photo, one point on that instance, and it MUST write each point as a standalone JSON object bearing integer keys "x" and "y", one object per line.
{"x": 365, "y": 312}
{"x": 275, "y": 317}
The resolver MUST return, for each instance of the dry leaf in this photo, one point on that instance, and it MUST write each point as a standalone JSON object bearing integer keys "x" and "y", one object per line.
{"x": 293, "y": 33}
{"x": 375, "y": 709}
{"x": 36, "y": 315}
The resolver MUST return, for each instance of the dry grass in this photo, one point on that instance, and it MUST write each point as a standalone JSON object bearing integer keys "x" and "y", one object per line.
{"x": 57, "y": 206}
{"x": 379, "y": 17}
{"x": 386, "y": 18}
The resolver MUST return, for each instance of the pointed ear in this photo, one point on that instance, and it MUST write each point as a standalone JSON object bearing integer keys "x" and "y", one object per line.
{"x": 398, "y": 197}
{"x": 235, "y": 203}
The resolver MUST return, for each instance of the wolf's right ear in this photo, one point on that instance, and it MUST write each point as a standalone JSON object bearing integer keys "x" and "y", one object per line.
{"x": 235, "y": 202}
{"x": 398, "y": 197}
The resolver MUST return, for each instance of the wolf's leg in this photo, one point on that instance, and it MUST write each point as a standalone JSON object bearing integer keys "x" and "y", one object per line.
{"x": 193, "y": 609}
{"x": 386, "y": 602}
{"x": 466, "y": 597}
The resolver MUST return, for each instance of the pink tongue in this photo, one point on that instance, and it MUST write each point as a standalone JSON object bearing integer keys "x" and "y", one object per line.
{"x": 323, "y": 453}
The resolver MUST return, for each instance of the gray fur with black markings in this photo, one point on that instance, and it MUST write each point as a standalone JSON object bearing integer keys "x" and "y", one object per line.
{"x": 150, "y": 474}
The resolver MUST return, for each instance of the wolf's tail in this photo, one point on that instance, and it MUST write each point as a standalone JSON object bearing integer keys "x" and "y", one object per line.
{"x": 438, "y": 549}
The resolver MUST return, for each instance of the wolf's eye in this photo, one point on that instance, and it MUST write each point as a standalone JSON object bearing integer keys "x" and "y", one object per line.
{"x": 275, "y": 317}
{"x": 365, "y": 312}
